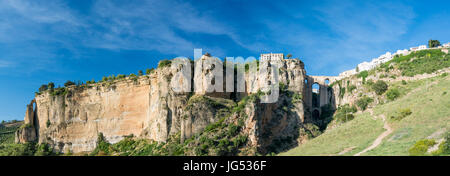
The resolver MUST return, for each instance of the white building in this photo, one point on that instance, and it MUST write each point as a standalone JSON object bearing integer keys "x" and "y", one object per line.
{"x": 447, "y": 45}
{"x": 386, "y": 58}
{"x": 418, "y": 48}
{"x": 365, "y": 66}
{"x": 272, "y": 56}
{"x": 348, "y": 73}
{"x": 402, "y": 52}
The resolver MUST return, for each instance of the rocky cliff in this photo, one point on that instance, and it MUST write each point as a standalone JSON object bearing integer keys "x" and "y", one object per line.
{"x": 146, "y": 107}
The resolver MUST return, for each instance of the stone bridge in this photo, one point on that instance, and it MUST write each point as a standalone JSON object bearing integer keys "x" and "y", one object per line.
{"x": 317, "y": 93}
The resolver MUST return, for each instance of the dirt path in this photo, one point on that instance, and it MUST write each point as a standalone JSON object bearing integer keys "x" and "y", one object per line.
{"x": 380, "y": 138}
{"x": 346, "y": 150}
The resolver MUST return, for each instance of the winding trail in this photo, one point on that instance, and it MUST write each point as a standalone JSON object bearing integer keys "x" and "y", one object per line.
{"x": 380, "y": 138}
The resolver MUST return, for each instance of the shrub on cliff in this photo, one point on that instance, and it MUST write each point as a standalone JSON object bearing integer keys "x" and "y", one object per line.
{"x": 102, "y": 146}
{"x": 392, "y": 94}
{"x": 51, "y": 86}
{"x": 380, "y": 87}
{"x": 363, "y": 75}
{"x": 149, "y": 71}
{"x": 120, "y": 76}
{"x": 43, "y": 88}
{"x": 164, "y": 63}
{"x": 351, "y": 88}
{"x": 362, "y": 103}
{"x": 69, "y": 83}
{"x": 59, "y": 91}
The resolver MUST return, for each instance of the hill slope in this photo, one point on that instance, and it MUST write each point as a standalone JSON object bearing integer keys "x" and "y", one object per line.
{"x": 427, "y": 99}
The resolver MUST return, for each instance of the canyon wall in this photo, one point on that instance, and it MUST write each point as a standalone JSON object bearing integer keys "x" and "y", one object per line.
{"x": 147, "y": 107}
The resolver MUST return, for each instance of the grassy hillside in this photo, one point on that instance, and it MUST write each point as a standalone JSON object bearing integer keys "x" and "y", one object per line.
{"x": 429, "y": 103}
{"x": 7, "y": 132}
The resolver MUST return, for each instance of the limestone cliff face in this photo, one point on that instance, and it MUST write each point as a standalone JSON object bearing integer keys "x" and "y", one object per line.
{"x": 275, "y": 126}
{"x": 146, "y": 107}
{"x": 72, "y": 121}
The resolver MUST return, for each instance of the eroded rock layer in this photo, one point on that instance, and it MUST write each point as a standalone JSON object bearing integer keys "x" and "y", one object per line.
{"x": 146, "y": 107}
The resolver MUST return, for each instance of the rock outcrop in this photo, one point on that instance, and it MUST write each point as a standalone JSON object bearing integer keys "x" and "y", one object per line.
{"x": 147, "y": 107}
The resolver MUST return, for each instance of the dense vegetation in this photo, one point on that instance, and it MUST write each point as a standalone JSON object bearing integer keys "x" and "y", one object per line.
{"x": 27, "y": 149}
{"x": 419, "y": 62}
{"x": 9, "y": 148}
{"x": 7, "y": 130}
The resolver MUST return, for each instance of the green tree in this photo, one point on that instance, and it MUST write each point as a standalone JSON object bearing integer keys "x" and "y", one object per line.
{"x": 433, "y": 43}
{"x": 120, "y": 76}
{"x": 149, "y": 71}
{"x": 92, "y": 81}
{"x": 289, "y": 56}
{"x": 364, "y": 102}
{"x": 380, "y": 87}
{"x": 164, "y": 63}
{"x": 140, "y": 73}
{"x": 43, "y": 88}
{"x": 364, "y": 74}
{"x": 69, "y": 83}
{"x": 51, "y": 85}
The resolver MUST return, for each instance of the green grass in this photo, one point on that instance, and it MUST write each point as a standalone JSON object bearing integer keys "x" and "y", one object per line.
{"x": 430, "y": 112}
{"x": 358, "y": 133}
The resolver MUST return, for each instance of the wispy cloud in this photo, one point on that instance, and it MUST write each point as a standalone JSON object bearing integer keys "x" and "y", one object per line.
{"x": 350, "y": 32}
{"x": 113, "y": 25}
{"x": 153, "y": 25}
{"x": 5, "y": 64}
{"x": 336, "y": 34}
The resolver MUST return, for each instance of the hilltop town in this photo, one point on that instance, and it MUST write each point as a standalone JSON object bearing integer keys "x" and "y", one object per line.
{"x": 389, "y": 56}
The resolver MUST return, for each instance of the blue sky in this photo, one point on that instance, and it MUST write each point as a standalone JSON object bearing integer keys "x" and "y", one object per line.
{"x": 55, "y": 41}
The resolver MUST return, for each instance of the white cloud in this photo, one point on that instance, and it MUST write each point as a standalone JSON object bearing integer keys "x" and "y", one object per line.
{"x": 356, "y": 32}
{"x": 136, "y": 25}
{"x": 5, "y": 64}
{"x": 152, "y": 25}
{"x": 41, "y": 11}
